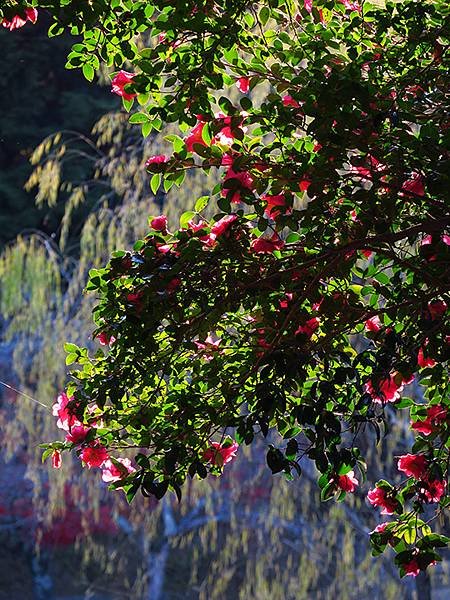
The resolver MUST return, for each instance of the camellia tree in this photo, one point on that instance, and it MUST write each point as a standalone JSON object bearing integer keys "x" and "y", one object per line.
{"x": 319, "y": 290}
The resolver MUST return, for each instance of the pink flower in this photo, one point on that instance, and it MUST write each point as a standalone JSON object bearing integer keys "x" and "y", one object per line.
{"x": 380, "y": 528}
{"x": 243, "y": 84}
{"x": 351, "y": 5}
{"x": 56, "y": 459}
{"x": 77, "y": 434}
{"x": 308, "y": 5}
{"x": 195, "y": 137}
{"x": 112, "y": 472}
{"x": 195, "y": 227}
{"x": 424, "y": 361}
{"x": 64, "y": 410}
{"x": 221, "y": 226}
{"x": 412, "y": 568}
{"x": 159, "y": 223}
{"x": 266, "y": 245}
{"x": 105, "y": 339}
{"x": 243, "y": 179}
{"x": 386, "y": 391}
{"x": 219, "y": 455}
{"x": 30, "y": 14}
{"x": 94, "y": 455}
{"x": 435, "y": 416}
{"x": 379, "y": 497}
{"x": 288, "y": 100}
{"x": 158, "y": 159}
{"x": 413, "y": 465}
{"x": 373, "y": 324}
{"x": 119, "y": 82}
{"x": 414, "y": 186}
{"x": 433, "y": 490}
{"x": 348, "y": 482}
{"x": 309, "y": 327}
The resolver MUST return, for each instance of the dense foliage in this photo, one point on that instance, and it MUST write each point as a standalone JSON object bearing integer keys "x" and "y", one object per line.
{"x": 318, "y": 292}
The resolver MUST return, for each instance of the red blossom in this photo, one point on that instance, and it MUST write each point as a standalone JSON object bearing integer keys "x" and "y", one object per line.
{"x": 119, "y": 82}
{"x": 437, "y": 309}
{"x": 244, "y": 179}
{"x": 373, "y": 324}
{"x": 387, "y": 390}
{"x": 413, "y": 465}
{"x": 105, "y": 339}
{"x": 288, "y": 100}
{"x": 195, "y": 137}
{"x": 18, "y": 21}
{"x": 243, "y": 84}
{"x": 424, "y": 361}
{"x": 309, "y": 327}
{"x": 414, "y": 185}
{"x": 64, "y": 410}
{"x": 159, "y": 223}
{"x": 56, "y": 459}
{"x": 348, "y": 482}
{"x": 379, "y": 497}
{"x": 94, "y": 455}
{"x": 433, "y": 490}
{"x": 219, "y": 455}
{"x": 77, "y": 434}
{"x": 272, "y": 203}
{"x": 221, "y": 226}
{"x": 158, "y": 159}
{"x": 436, "y": 415}
{"x": 266, "y": 245}
{"x": 112, "y": 472}
{"x": 412, "y": 568}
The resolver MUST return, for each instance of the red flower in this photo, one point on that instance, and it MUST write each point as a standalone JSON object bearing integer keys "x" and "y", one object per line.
{"x": 413, "y": 465}
{"x": 272, "y": 203}
{"x": 159, "y": 223}
{"x": 412, "y": 568}
{"x": 386, "y": 391}
{"x": 77, "y": 434}
{"x": 158, "y": 159}
{"x": 433, "y": 490}
{"x": 437, "y": 309}
{"x": 119, "y": 82}
{"x": 435, "y": 416}
{"x": 379, "y": 497}
{"x": 244, "y": 179}
{"x": 112, "y": 472}
{"x": 30, "y": 14}
{"x": 348, "y": 482}
{"x": 64, "y": 410}
{"x": 56, "y": 459}
{"x": 266, "y": 245}
{"x": 373, "y": 324}
{"x": 380, "y": 528}
{"x": 414, "y": 186}
{"x": 243, "y": 84}
{"x": 288, "y": 100}
{"x": 105, "y": 339}
{"x": 424, "y": 361}
{"x": 219, "y": 455}
{"x": 309, "y": 327}
{"x": 94, "y": 455}
{"x": 351, "y": 5}
{"x": 221, "y": 226}
{"x": 195, "y": 137}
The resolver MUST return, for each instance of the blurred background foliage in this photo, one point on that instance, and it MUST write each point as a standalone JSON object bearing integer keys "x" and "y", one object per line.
{"x": 73, "y": 187}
